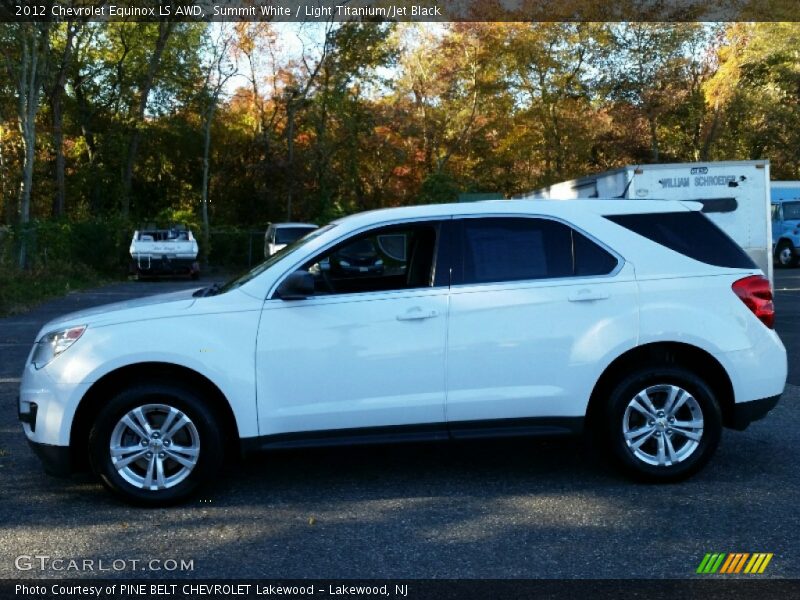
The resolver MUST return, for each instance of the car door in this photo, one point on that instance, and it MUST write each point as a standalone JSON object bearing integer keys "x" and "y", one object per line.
{"x": 536, "y": 307}
{"x": 367, "y": 349}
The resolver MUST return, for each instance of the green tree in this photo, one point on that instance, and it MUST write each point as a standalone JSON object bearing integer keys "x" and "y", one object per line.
{"x": 25, "y": 48}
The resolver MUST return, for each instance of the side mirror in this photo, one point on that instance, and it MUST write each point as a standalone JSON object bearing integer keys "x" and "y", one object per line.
{"x": 297, "y": 286}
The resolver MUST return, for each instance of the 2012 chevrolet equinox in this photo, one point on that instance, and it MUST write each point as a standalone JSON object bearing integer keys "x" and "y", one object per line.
{"x": 640, "y": 321}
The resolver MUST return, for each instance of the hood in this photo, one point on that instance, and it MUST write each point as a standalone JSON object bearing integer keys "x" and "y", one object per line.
{"x": 149, "y": 307}
{"x": 791, "y": 223}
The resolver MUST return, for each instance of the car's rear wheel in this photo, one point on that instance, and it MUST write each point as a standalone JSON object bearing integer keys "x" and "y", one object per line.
{"x": 784, "y": 255}
{"x": 155, "y": 444}
{"x": 662, "y": 424}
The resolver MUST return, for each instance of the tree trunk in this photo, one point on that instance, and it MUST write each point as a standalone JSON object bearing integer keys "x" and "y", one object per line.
{"x": 56, "y": 104}
{"x": 58, "y": 145}
{"x": 206, "y": 152}
{"x": 705, "y": 152}
{"x": 84, "y": 114}
{"x": 290, "y": 109}
{"x": 9, "y": 198}
{"x": 164, "y": 31}
{"x": 34, "y": 46}
{"x": 654, "y": 152}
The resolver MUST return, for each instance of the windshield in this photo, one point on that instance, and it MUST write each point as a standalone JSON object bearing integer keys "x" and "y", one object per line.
{"x": 791, "y": 211}
{"x": 163, "y": 235}
{"x": 279, "y": 255}
{"x": 287, "y": 235}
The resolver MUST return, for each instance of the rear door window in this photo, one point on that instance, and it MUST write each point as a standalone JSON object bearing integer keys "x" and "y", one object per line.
{"x": 690, "y": 234}
{"x": 520, "y": 248}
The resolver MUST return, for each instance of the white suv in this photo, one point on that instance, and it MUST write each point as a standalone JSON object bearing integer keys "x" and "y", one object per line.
{"x": 640, "y": 322}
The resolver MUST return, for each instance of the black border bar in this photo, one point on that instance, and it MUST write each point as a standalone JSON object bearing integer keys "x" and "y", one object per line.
{"x": 400, "y": 10}
{"x": 704, "y": 587}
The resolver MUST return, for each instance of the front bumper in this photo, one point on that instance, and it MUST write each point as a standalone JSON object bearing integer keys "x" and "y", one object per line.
{"x": 745, "y": 413}
{"x": 56, "y": 460}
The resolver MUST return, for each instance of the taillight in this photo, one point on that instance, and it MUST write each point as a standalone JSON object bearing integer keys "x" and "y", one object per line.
{"x": 756, "y": 293}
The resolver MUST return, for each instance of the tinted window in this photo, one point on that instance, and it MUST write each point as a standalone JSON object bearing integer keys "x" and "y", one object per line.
{"x": 591, "y": 259}
{"x": 391, "y": 258}
{"x": 515, "y": 249}
{"x": 718, "y": 205}
{"x": 690, "y": 234}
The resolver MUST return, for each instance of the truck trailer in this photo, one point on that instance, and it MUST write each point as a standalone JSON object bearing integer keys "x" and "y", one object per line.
{"x": 735, "y": 195}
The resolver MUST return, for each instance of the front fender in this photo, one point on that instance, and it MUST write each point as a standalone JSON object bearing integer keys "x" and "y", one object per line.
{"x": 220, "y": 347}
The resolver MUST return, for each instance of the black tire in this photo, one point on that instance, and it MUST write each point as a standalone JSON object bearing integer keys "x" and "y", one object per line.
{"x": 206, "y": 430}
{"x": 785, "y": 256}
{"x": 656, "y": 380}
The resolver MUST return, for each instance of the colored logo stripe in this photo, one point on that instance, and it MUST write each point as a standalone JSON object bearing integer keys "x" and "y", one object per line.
{"x": 734, "y": 562}
{"x": 758, "y": 563}
{"x": 710, "y": 563}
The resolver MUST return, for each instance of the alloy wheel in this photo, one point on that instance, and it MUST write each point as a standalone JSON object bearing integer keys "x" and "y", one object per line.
{"x": 154, "y": 447}
{"x": 663, "y": 425}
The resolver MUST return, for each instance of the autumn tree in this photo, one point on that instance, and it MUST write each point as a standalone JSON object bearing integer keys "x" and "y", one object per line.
{"x": 218, "y": 69}
{"x": 757, "y": 92}
{"x": 25, "y": 48}
{"x": 650, "y": 68}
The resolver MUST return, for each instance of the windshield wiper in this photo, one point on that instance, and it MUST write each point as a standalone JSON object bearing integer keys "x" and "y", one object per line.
{"x": 209, "y": 291}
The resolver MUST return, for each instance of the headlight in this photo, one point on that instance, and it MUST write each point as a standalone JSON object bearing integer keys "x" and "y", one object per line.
{"x": 344, "y": 263}
{"x": 54, "y": 343}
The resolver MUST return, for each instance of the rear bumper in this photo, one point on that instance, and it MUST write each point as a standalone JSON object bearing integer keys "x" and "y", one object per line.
{"x": 745, "y": 413}
{"x": 154, "y": 265}
{"x": 56, "y": 460}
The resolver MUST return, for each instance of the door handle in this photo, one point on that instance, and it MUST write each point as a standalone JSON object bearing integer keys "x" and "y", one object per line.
{"x": 417, "y": 314}
{"x": 587, "y": 295}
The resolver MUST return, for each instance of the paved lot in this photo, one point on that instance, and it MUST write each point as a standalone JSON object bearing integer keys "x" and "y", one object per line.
{"x": 484, "y": 509}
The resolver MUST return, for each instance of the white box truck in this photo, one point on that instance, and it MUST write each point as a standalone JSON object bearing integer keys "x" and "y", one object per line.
{"x": 735, "y": 195}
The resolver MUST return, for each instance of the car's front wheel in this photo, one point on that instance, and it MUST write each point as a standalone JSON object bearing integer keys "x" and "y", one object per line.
{"x": 155, "y": 444}
{"x": 663, "y": 424}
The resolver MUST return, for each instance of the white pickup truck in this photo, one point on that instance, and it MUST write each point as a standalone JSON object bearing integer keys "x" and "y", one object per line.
{"x": 169, "y": 251}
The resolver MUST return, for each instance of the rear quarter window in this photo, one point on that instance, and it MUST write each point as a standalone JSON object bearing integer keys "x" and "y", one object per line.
{"x": 689, "y": 233}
